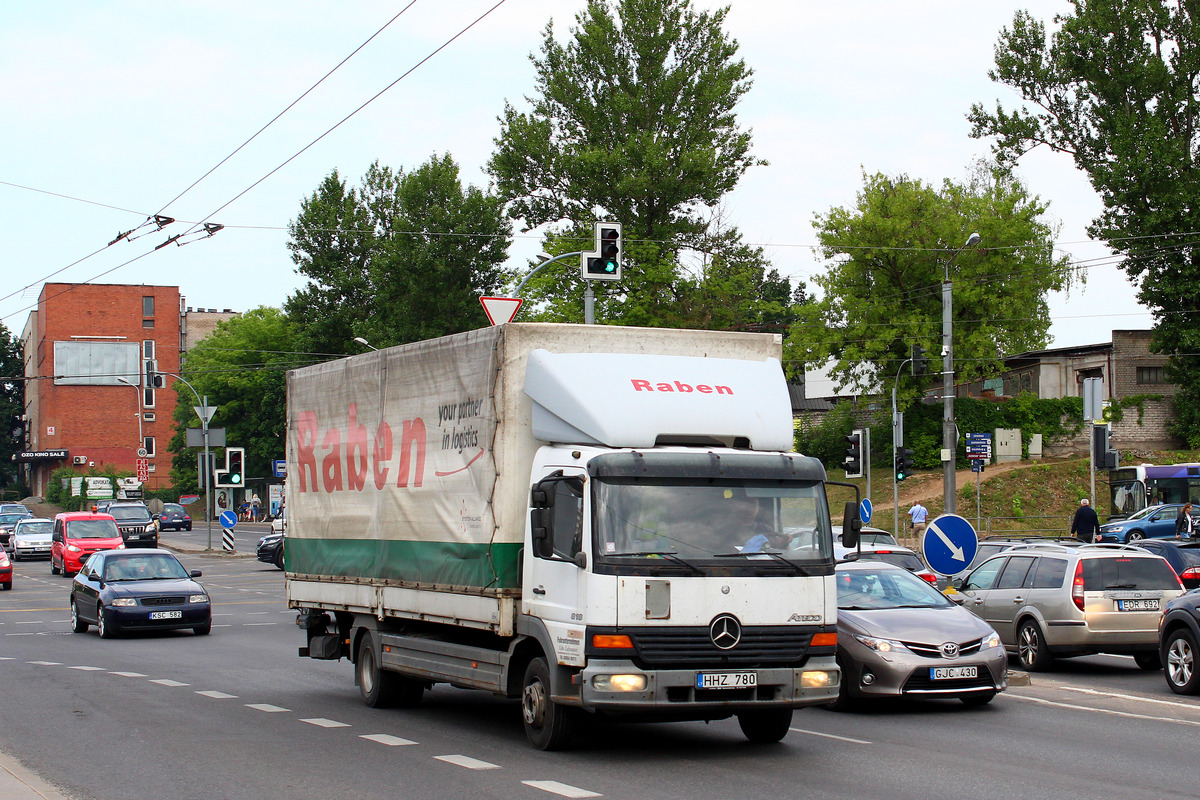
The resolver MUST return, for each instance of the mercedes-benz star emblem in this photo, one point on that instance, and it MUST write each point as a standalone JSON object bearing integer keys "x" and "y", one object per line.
{"x": 725, "y": 631}
{"x": 949, "y": 650}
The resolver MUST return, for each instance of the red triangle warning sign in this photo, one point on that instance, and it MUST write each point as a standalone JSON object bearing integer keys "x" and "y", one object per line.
{"x": 500, "y": 310}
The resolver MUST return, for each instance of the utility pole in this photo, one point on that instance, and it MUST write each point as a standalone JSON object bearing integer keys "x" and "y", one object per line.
{"x": 949, "y": 429}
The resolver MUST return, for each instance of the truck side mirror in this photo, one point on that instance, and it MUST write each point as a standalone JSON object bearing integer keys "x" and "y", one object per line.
{"x": 851, "y": 524}
{"x": 556, "y": 517}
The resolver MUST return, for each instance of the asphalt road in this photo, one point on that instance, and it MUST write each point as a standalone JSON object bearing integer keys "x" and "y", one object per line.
{"x": 238, "y": 715}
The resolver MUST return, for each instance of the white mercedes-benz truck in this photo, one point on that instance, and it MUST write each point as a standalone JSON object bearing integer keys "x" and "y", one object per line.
{"x": 596, "y": 520}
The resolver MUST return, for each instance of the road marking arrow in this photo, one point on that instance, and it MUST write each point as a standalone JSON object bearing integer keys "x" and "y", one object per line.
{"x": 955, "y": 552}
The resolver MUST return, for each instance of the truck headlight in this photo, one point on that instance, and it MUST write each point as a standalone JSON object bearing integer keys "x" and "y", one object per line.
{"x": 634, "y": 682}
{"x": 818, "y": 679}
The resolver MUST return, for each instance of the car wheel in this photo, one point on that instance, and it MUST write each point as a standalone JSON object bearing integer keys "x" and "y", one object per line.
{"x": 1148, "y": 661}
{"x": 107, "y": 630}
{"x": 1031, "y": 647}
{"x": 188, "y": 528}
{"x": 1181, "y": 665}
{"x": 376, "y": 685}
{"x": 6, "y": 585}
{"x": 766, "y": 726}
{"x": 978, "y": 699}
{"x": 279, "y": 557}
{"x": 1135, "y": 536}
{"x": 77, "y": 623}
{"x": 845, "y": 701}
{"x": 53, "y": 568}
{"x": 548, "y": 725}
{"x": 203, "y": 630}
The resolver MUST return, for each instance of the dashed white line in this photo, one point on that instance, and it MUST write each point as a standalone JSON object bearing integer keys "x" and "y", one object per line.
{"x": 321, "y": 722}
{"x": 561, "y": 789}
{"x": 830, "y": 736}
{"x": 467, "y": 762}
{"x": 1175, "y": 703}
{"x": 270, "y": 709}
{"x": 129, "y": 674}
{"x": 217, "y": 695}
{"x": 257, "y": 624}
{"x": 169, "y": 682}
{"x": 1113, "y": 712}
{"x": 45, "y": 663}
{"x": 89, "y": 669}
{"x": 387, "y": 738}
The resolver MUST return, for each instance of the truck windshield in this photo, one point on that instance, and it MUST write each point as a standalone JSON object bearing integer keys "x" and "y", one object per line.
{"x": 711, "y": 520}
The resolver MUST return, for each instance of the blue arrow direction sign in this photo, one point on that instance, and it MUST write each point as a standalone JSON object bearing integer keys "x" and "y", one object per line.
{"x": 864, "y": 510}
{"x": 949, "y": 544}
{"x": 228, "y": 520}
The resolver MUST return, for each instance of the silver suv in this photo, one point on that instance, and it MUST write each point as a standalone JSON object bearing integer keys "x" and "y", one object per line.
{"x": 1049, "y": 600}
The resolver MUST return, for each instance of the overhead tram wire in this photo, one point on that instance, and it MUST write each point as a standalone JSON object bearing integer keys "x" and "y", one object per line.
{"x": 346, "y": 118}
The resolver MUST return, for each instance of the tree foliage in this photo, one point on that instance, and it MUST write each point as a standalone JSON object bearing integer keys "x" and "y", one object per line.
{"x": 1115, "y": 88}
{"x": 887, "y": 260}
{"x": 241, "y": 368}
{"x": 634, "y": 121}
{"x": 12, "y": 405}
{"x": 404, "y": 257}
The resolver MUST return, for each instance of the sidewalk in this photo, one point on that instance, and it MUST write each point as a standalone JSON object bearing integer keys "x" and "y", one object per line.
{"x": 18, "y": 783}
{"x": 196, "y": 542}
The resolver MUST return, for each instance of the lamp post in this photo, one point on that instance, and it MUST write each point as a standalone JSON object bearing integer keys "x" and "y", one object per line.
{"x": 949, "y": 429}
{"x": 365, "y": 343}
{"x": 589, "y": 296}
{"x": 141, "y": 437}
{"x": 205, "y": 412}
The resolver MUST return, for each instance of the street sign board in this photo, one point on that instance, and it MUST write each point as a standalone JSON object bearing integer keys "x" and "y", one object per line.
{"x": 500, "y": 310}
{"x": 205, "y": 413}
{"x": 279, "y": 468}
{"x": 228, "y": 520}
{"x": 143, "y": 469}
{"x": 979, "y": 445}
{"x": 195, "y": 437}
{"x": 949, "y": 544}
{"x": 864, "y": 510}
{"x": 976, "y": 465}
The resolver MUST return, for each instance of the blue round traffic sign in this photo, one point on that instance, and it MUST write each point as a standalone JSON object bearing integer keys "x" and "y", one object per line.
{"x": 864, "y": 510}
{"x": 949, "y": 544}
{"x": 228, "y": 520}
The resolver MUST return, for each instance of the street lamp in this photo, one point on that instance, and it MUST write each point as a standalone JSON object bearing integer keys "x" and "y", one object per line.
{"x": 365, "y": 343}
{"x": 141, "y": 437}
{"x": 949, "y": 431}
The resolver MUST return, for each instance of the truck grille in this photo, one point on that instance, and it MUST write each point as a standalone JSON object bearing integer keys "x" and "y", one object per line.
{"x": 689, "y": 647}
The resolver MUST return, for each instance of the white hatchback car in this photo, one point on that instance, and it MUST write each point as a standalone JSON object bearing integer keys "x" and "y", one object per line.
{"x": 31, "y": 538}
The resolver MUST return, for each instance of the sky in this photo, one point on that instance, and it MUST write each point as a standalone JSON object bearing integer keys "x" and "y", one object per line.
{"x": 112, "y": 110}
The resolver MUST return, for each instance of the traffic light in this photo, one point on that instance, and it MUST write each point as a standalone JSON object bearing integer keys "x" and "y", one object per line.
{"x": 1106, "y": 457}
{"x": 919, "y": 361}
{"x": 604, "y": 263}
{"x": 904, "y": 462}
{"x": 232, "y": 476}
{"x": 153, "y": 379}
{"x": 853, "y": 462}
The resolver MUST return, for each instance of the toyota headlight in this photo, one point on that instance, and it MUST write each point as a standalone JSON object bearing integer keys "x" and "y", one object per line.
{"x": 991, "y": 641}
{"x": 881, "y": 645}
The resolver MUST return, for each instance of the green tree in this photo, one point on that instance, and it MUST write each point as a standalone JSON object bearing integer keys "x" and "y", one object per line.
{"x": 241, "y": 368}
{"x": 12, "y": 405}
{"x": 404, "y": 257}
{"x": 1115, "y": 88}
{"x": 633, "y": 120}
{"x": 887, "y": 260}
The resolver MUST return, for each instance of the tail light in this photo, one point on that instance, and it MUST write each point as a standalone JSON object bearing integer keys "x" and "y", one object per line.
{"x": 1191, "y": 573}
{"x": 928, "y": 576}
{"x": 1077, "y": 586}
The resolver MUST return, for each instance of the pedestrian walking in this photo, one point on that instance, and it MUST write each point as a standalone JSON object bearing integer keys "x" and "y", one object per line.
{"x": 1085, "y": 525}
{"x": 1185, "y": 525}
{"x": 916, "y": 518}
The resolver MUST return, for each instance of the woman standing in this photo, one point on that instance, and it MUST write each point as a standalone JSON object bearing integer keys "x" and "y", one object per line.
{"x": 1184, "y": 524}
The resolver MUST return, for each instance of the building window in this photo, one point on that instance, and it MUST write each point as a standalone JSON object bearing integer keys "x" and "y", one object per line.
{"x": 147, "y": 323}
{"x": 148, "y": 348}
{"x": 147, "y": 306}
{"x": 148, "y": 398}
{"x": 148, "y": 443}
{"x": 1150, "y": 375}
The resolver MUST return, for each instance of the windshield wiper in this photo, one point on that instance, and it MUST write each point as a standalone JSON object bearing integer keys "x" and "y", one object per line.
{"x": 672, "y": 555}
{"x": 744, "y": 554}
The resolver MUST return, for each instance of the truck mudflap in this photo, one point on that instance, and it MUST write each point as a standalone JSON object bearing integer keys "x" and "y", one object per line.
{"x": 619, "y": 686}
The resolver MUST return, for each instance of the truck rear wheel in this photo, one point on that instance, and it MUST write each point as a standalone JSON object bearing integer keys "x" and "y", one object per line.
{"x": 376, "y": 685}
{"x": 548, "y": 725}
{"x": 765, "y": 726}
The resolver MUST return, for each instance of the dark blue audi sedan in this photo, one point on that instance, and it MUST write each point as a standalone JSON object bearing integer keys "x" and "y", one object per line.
{"x": 127, "y": 590}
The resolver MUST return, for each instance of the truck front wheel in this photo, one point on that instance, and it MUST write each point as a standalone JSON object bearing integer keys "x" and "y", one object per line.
{"x": 765, "y": 726}
{"x": 547, "y": 724}
{"x": 376, "y": 685}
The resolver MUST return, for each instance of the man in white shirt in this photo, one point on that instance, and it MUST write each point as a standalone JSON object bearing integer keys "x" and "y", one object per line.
{"x": 917, "y": 516}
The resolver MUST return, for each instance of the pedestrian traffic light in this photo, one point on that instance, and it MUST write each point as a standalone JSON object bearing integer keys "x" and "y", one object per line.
{"x": 604, "y": 263}
{"x": 919, "y": 362}
{"x": 232, "y": 476}
{"x": 153, "y": 379}
{"x": 904, "y": 462}
{"x": 853, "y": 462}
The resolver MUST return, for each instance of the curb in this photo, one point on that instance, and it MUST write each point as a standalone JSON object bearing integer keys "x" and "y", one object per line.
{"x": 1018, "y": 678}
{"x": 18, "y": 783}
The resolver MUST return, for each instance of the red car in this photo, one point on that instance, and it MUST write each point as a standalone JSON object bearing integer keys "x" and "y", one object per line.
{"x": 5, "y": 570}
{"x": 78, "y": 534}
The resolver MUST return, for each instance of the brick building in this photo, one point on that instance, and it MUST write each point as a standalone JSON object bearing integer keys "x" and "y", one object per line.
{"x": 86, "y": 402}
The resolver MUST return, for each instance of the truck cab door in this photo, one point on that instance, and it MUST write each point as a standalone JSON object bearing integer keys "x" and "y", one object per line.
{"x": 553, "y": 588}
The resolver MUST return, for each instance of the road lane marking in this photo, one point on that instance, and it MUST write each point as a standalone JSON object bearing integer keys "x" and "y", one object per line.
{"x": 169, "y": 682}
{"x": 258, "y": 624}
{"x": 217, "y": 695}
{"x": 1175, "y": 703}
{"x": 89, "y": 669}
{"x": 561, "y": 789}
{"x": 129, "y": 674}
{"x": 1113, "y": 712}
{"x": 321, "y": 722}
{"x": 467, "y": 762}
{"x": 386, "y": 738}
{"x": 270, "y": 709}
{"x": 830, "y": 736}
{"x": 44, "y": 663}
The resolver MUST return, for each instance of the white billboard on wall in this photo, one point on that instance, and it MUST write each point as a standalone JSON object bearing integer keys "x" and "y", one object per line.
{"x": 97, "y": 363}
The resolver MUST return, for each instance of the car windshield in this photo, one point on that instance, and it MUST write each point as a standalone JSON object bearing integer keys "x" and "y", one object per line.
{"x": 129, "y": 512}
{"x": 1145, "y": 512}
{"x": 152, "y": 566}
{"x": 92, "y": 529}
{"x": 870, "y": 589}
{"x": 172, "y": 508}
{"x": 910, "y": 561}
{"x": 9, "y": 519}
{"x": 1100, "y": 574}
{"x": 35, "y": 527}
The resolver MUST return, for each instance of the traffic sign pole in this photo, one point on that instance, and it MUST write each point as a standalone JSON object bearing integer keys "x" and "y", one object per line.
{"x": 949, "y": 544}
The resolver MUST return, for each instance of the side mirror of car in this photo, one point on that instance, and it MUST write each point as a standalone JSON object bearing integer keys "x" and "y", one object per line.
{"x": 57, "y": 537}
{"x": 195, "y": 573}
